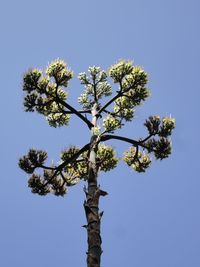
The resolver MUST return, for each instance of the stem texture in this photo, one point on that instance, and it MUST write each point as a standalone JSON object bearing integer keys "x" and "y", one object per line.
{"x": 91, "y": 204}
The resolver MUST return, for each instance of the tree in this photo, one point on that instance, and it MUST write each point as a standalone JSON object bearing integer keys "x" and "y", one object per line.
{"x": 45, "y": 94}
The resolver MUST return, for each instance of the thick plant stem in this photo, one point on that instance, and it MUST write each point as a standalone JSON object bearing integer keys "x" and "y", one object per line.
{"x": 93, "y": 217}
{"x": 91, "y": 205}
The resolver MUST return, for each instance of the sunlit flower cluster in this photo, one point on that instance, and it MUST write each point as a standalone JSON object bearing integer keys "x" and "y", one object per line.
{"x": 137, "y": 160}
{"x": 106, "y": 158}
{"x": 111, "y": 123}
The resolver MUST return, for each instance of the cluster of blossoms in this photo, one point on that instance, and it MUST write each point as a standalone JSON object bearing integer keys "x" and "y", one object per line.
{"x": 160, "y": 146}
{"x": 132, "y": 88}
{"x": 163, "y": 128}
{"x": 44, "y": 90}
{"x": 137, "y": 160}
{"x": 96, "y": 86}
{"x": 121, "y": 69}
{"x": 106, "y": 158}
{"x": 111, "y": 123}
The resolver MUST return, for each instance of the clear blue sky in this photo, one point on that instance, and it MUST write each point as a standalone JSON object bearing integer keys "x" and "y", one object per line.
{"x": 150, "y": 219}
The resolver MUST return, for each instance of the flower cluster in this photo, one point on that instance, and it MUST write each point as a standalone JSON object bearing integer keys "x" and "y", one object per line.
{"x": 38, "y": 185}
{"x": 31, "y": 79}
{"x": 106, "y": 158}
{"x": 49, "y": 182}
{"x": 137, "y": 79}
{"x": 111, "y": 123}
{"x": 59, "y": 71}
{"x": 46, "y": 96}
{"x": 96, "y": 86}
{"x": 153, "y": 124}
{"x": 132, "y": 84}
{"x": 168, "y": 124}
{"x": 31, "y": 161}
{"x": 120, "y": 70}
{"x": 137, "y": 160}
{"x": 161, "y": 147}
{"x": 163, "y": 128}
{"x": 124, "y": 108}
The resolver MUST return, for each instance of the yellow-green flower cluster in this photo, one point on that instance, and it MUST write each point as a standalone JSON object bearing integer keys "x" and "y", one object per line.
{"x": 111, "y": 123}
{"x": 59, "y": 71}
{"x": 135, "y": 80}
{"x": 96, "y": 130}
{"x": 168, "y": 124}
{"x": 43, "y": 84}
{"x": 42, "y": 92}
{"x": 129, "y": 76}
{"x": 51, "y": 109}
{"x": 106, "y": 158}
{"x": 124, "y": 108}
{"x": 119, "y": 70}
{"x": 137, "y": 160}
{"x": 132, "y": 81}
{"x": 57, "y": 119}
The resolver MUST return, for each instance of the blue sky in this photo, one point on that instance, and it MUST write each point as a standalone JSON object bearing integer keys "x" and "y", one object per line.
{"x": 150, "y": 219}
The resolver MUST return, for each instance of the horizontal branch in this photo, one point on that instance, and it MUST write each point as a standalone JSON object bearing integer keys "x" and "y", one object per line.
{"x": 79, "y": 111}
{"x": 127, "y": 140}
{"x": 121, "y": 138}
